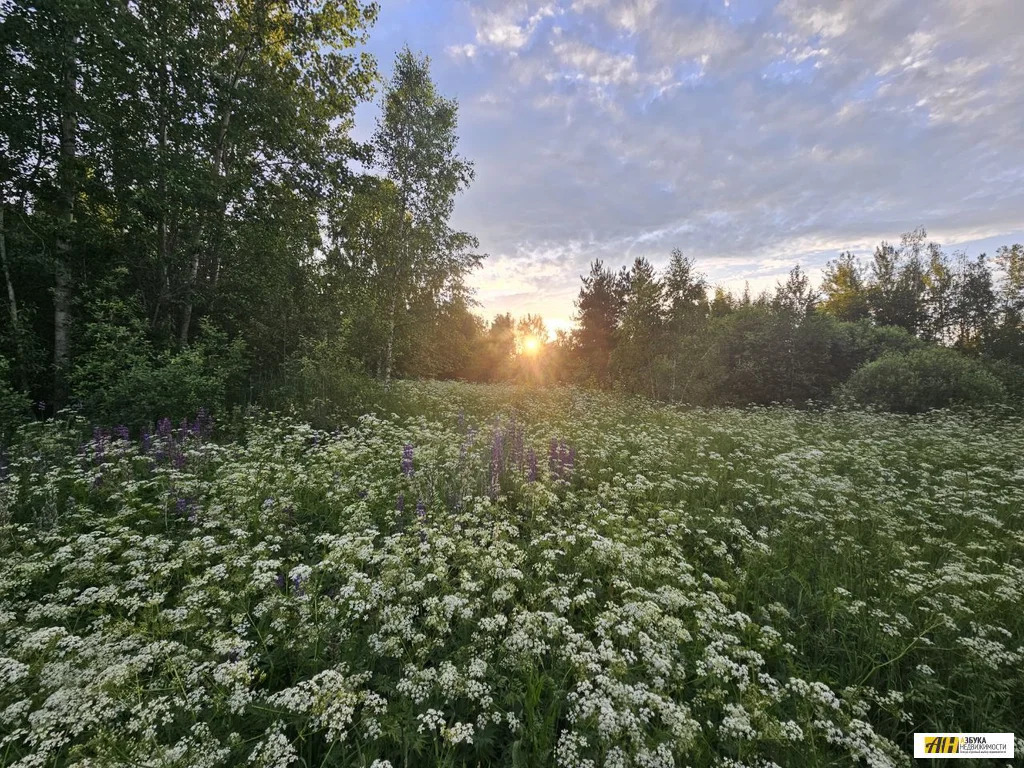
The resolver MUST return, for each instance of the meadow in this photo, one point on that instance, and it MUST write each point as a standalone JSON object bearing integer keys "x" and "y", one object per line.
{"x": 502, "y": 576}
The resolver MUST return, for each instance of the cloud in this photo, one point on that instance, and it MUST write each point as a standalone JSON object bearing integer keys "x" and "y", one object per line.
{"x": 509, "y": 25}
{"x": 464, "y": 51}
{"x": 750, "y": 133}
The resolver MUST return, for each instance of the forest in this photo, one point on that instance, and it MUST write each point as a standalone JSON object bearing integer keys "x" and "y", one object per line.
{"x": 185, "y": 223}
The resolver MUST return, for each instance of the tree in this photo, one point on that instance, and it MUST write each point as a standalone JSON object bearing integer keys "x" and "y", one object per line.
{"x": 1007, "y": 338}
{"x": 845, "y": 294}
{"x": 897, "y": 286}
{"x": 795, "y": 298}
{"x": 686, "y": 314}
{"x": 598, "y": 309}
{"x": 640, "y": 334}
{"x": 940, "y": 284}
{"x": 974, "y": 304}
{"x": 192, "y": 149}
{"x": 500, "y": 348}
{"x": 722, "y": 303}
{"x": 415, "y": 147}
{"x": 1010, "y": 260}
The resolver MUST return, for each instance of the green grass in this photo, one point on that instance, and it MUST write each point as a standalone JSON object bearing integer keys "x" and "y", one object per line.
{"x": 695, "y": 587}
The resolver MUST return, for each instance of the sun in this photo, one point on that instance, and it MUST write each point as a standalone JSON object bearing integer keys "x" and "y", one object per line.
{"x": 531, "y": 345}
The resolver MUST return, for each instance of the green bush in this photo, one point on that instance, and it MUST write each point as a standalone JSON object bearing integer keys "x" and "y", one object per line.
{"x": 923, "y": 379}
{"x": 323, "y": 382}
{"x": 1010, "y": 375}
{"x": 120, "y": 378}
{"x": 14, "y": 405}
{"x": 758, "y": 355}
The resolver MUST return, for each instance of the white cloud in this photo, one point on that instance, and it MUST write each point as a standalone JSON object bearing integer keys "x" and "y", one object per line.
{"x": 628, "y": 128}
{"x": 510, "y": 25}
{"x": 465, "y": 51}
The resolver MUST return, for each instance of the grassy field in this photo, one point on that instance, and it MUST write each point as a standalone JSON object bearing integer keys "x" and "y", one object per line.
{"x": 509, "y": 577}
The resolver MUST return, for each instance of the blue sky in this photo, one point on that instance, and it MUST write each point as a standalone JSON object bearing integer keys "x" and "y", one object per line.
{"x": 752, "y": 134}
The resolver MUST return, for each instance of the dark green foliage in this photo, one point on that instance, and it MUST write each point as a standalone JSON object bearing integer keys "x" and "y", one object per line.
{"x": 758, "y": 355}
{"x": 923, "y": 379}
{"x": 661, "y": 336}
{"x": 119, "y": 377}
{"x": 14, "y": 405}
{"x": 322, "y": 382}
{"x": 599, "y": 309}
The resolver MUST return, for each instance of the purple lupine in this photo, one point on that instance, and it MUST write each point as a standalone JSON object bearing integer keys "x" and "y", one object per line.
{"x": 497, "y": 461}
{"x": 400, "y": 503}
{"x": 204, "y": 424}
{"x": 164, "y": 428}
{"x": 147, "y": 441}
{"x": 279, "y": 580}
{"x": 98, "y": 438}
{"x": 532, "y": 466}
{"x": 121, "y": 432}
{"x": 298, "y": 585}
{"x": 421, "y": 515}
{"x": 407, "y": 467}
{"x": 561, "y": 459}
{"x": 517, "y": 446}
{"x": 179, "y": 460}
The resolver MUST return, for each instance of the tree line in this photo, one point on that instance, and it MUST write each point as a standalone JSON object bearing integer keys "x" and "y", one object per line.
{"x": 913, "y": 327}
{"x": 186, "y": 220}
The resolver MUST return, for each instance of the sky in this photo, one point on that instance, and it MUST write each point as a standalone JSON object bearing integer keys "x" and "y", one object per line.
{"x": 751, "y": 134}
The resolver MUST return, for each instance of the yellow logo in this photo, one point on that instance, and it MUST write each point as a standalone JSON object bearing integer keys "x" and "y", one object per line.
{"x": 941, "y": 745}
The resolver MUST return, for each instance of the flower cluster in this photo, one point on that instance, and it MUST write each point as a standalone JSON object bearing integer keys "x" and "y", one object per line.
{"x": 736, "y": 588}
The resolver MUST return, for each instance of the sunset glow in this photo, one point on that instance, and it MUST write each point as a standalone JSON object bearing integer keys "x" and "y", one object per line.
{"x": 531, "y": 345}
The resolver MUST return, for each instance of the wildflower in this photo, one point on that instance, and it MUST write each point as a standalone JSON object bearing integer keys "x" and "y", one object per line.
{"x": 203, "y": 423}
{"x": 421, "y": 516}
{"x": 497, "y": 462}
{"x": 407, "y": 466}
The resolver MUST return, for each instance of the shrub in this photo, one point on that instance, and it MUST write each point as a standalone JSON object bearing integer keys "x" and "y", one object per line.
{"x": 923, "y": 379}
{"x": 1010, "y": 375}
{"x": 757, "y": 355}
{"x": 14, "y": 405}
{"x": 120, "y": 378}
{"x": 323, "y": 382}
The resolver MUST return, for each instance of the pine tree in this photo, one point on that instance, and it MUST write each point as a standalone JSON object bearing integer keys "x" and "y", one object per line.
{"x": 640, "y": 336}
{"x": 599, "y": 308}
